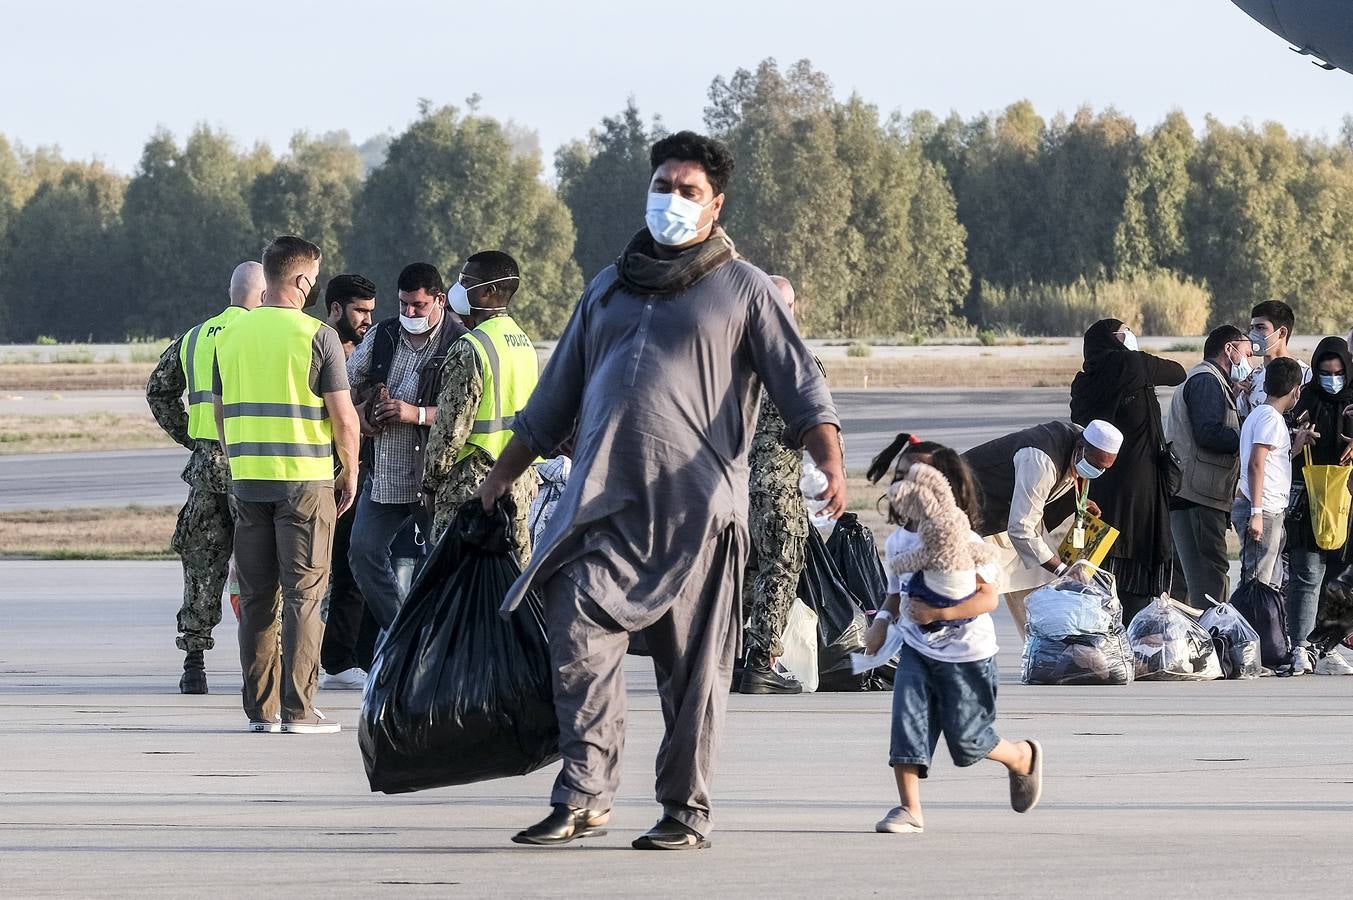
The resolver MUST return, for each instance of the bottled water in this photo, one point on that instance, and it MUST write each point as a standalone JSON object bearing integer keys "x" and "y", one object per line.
{"x": 811, "y": 485}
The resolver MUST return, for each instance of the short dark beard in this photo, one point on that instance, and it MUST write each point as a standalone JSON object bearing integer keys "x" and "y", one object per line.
{"x": 346, "y": 333}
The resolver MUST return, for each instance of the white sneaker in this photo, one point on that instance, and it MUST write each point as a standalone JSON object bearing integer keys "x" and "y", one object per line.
{"x": 273, "y": 727}
{"x": 1333, "y": 663}
{"x": 316, "y": 724}
{"x": 1301, "y": 661}
{"x": 353, "y": 679}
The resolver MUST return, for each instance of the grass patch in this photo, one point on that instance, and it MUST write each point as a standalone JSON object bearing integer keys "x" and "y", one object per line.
{"x": 148, "y": 352}
{"x": 859, "y": 349}
{"x": 1185, "y": 347}
{"x": 131, "y": 532}
{"x": 30, "y": 433}
{"x": 26, "y": 375}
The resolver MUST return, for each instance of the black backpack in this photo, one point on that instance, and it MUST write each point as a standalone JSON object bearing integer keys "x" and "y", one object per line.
{"x": 1262, "y": 607}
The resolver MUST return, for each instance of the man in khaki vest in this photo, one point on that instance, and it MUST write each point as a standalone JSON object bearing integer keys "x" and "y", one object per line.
{"x": 1203, "y": 427}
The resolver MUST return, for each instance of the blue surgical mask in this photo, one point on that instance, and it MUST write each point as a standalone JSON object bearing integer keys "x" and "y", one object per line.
{"x": 1241, "y": 370}
{"x": 672, "y": 219}
{"x": 1332, "y": 384}
{"x": 1085, "y": 470}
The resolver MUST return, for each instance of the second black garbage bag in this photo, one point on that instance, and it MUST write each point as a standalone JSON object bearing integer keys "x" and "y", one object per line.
{"x": 456, "y": 693}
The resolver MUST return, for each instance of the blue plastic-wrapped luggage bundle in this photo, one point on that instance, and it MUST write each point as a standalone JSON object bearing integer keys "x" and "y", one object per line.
{"x": 456, "y": 693}
{"x": 1076, "y": 634}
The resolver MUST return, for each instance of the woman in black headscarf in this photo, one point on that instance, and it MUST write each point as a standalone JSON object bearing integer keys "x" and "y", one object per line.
{"x": 1117, "y": 383}
{"x": 1324, "y": 400}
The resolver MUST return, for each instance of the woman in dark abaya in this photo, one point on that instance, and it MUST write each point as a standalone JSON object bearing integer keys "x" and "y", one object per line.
{"x": 1325, "y": 401}
{"x": 1117, "y": 383}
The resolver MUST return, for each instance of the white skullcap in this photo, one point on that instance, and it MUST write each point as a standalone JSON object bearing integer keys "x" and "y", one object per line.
{"x": 1103, "y": 436}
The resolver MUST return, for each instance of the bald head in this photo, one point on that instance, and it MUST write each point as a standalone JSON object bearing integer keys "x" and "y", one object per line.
{"x": 246, "y": 285}
{"x": 786, "y": 291}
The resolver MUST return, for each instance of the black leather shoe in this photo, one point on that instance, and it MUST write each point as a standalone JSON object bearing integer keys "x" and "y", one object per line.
{"x": 194, "y": 679}
{"x": 760, "y": 677}
{"x": 669, "y": 834}
{"x": 565, "y": 824}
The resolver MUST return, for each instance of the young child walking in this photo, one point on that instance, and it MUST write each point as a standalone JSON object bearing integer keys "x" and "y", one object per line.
{"x": 946, "y": 675}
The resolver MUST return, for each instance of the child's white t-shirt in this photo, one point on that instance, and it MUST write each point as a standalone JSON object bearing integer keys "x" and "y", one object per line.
{"x": 1266, "y": 426}
{"x": 957, "y": 642}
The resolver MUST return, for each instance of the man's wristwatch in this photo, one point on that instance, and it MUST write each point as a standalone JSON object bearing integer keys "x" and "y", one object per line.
{"x": 422, "y": 415}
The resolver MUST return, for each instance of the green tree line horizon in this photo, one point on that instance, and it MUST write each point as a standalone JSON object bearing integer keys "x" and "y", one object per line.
{"x": 890, "y": 225}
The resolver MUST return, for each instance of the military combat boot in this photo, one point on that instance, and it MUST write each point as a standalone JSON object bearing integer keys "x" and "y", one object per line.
{"x": 194, "y": 680}
{"x": 760, "y": 676}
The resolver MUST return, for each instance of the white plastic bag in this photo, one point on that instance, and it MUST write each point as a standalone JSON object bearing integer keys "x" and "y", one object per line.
{"x": 800, "y": 645}
{"x": 892, "y": 645}
{"x": 1083, "y": 601}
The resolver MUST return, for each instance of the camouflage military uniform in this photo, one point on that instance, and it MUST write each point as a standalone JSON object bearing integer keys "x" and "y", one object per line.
{"x": 205, "y": 532}
{"x": 451, "y": 482}
{"x": 778, "y": 521}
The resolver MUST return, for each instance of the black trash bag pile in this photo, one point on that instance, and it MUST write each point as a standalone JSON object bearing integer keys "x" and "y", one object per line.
{"x": 1237, "y": 643}
{"x": 456, "y": 693}
{"x": 1263, "y": 608}
{"x": 841, "y": 622}
{"x": 1076, "y": 634}
{"x": 1170, "y": 645}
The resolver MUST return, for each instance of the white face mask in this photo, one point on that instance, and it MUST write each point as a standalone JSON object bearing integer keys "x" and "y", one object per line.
{"x": 672, "y": 219}
{"x": 414, "y": 325}
{"x": 459, "y": 296}
{"x": 1128, "y": 338}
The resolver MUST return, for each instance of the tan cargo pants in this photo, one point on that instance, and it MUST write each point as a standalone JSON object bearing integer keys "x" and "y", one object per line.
{"x": 285, "y": 544}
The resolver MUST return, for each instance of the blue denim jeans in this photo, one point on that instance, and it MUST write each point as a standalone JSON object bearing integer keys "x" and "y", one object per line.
{"x": 931, "y": 698}
{"x": 1306, "y": 575}
{"x": 369, "y": 552}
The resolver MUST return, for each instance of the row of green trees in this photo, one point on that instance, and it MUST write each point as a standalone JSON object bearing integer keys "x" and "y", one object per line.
{"x": 887, "y": 224}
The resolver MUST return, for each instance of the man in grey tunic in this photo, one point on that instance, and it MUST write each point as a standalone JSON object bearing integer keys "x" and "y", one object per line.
{"x": 661, "y": 367}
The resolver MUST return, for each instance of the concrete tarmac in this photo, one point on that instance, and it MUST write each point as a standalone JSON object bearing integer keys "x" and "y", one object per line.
{"x": 960, "y": 418}
{"x": 114, "y": 785}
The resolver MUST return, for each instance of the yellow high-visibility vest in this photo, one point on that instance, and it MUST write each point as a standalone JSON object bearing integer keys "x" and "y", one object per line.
{"x": 276, "y": 427}
{"x": 508, "y": 361}
{"x": 197, "y": 349}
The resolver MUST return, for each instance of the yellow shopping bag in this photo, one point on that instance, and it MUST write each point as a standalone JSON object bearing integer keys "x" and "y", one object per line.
{"x": 1327, "y": 491}
{"x": 1097, "y": 537}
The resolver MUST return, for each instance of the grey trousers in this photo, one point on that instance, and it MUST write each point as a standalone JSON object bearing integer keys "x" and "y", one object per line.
{"x": 1261, "y": 559}
{"x": 692, "y": 647}
{"x": 1199, "y": 534}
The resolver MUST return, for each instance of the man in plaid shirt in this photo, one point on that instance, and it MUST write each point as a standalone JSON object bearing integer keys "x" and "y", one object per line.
{"x": 405, "y": 355}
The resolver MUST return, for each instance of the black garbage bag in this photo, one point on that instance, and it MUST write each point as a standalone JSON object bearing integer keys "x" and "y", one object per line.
{"x": 840, "y": 621}
{"x": 456, "y": 693}
{"x": 1078, "y": 659}
{"x": 852, "y": 548}
{"x": 1333, "y": 621}
{"x": 1262, "y": 607}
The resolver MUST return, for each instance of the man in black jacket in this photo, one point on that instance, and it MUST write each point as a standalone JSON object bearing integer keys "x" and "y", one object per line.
{"x": 1203, "y": 428}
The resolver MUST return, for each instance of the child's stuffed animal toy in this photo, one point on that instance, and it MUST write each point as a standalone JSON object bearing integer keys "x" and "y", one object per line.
{"x": 948, "y": 557}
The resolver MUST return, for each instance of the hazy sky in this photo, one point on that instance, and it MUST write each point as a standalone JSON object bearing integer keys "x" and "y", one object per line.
{"x": 97, "y": 78}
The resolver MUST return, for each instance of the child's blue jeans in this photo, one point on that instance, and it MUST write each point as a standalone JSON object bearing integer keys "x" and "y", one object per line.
{"x": 930, "y": 698}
